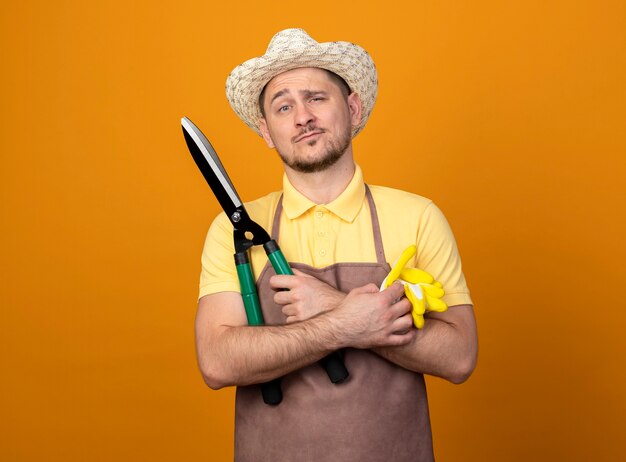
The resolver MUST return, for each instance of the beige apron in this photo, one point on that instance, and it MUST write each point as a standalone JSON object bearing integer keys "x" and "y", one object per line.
{"x": 380, "y": 413}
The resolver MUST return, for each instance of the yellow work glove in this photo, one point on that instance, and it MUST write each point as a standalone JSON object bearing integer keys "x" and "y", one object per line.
{"x": 420, "y": 287}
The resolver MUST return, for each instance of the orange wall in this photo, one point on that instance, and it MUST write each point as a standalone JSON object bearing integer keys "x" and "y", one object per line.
{"x": 510, "y": 115}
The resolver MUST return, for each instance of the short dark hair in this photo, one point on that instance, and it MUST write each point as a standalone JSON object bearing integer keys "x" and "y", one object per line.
{"x": 337, "y": 79}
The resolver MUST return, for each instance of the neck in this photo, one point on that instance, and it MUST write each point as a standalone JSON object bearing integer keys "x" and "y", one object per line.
{"x": 324, "y": 187}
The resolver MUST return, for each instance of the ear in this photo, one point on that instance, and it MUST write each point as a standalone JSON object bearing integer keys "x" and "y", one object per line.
{"x": 265, "y": 133}
{"x": 354, "y": 103}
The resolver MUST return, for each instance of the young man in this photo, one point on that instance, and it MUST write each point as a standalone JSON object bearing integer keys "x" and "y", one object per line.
{"x": 308, "y": 100}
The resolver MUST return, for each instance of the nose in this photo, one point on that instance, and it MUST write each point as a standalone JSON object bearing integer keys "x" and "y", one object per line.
{"x": 303, "y": 116}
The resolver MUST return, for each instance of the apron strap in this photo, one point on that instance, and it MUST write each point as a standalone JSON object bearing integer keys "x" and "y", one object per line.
{"x": 378, "y": 240}
{"x": 276, "y": 223}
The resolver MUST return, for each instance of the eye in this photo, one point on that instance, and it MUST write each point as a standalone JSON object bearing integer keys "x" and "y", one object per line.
{"x": 283, "y": 108}
{"x": 316, "y": 99}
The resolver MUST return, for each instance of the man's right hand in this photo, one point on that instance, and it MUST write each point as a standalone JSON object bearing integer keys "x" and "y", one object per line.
{"x": 303, "y": 296}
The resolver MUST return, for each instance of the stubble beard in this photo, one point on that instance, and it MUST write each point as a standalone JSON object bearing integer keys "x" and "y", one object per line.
{"x": 334, "y": 150}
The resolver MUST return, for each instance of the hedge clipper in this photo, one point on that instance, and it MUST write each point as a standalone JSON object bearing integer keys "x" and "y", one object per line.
{"x": 214, "y": 173}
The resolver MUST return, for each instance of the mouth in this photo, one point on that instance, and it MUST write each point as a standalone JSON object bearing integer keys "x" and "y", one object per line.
{"x": 307, "y": 136}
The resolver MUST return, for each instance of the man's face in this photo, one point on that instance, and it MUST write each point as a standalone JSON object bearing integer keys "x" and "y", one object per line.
{"x": 308, "y": 119}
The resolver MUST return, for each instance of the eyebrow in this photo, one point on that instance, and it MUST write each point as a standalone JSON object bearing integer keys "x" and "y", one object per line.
{"x": 278, "y": 95}
{"x": 305, "y": 93}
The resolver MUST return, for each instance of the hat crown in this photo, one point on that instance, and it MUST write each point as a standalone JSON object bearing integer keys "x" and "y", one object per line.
{"x": 294, "y": 48}
{"x": 290, "y": 39}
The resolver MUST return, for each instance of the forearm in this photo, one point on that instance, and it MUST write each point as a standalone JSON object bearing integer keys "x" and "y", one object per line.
{"x": 445, "y": 347}
{"x": 232, "y": 353}
{"x": 242, "y": 355}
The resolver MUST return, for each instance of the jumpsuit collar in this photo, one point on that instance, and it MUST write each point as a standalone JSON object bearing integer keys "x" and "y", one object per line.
{"x": 346, "y": 206}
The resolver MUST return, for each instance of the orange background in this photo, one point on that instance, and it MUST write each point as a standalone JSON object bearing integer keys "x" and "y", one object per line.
{"x": 510, "y": 115}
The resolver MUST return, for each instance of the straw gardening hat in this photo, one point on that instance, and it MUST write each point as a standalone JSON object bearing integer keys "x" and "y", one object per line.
{"x": 294, "y": 48}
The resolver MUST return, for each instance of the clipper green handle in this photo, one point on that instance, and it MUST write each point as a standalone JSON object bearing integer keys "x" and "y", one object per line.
{"x": 249, "y": 294}
{"x": 271, "y": 391}
{"x": 333, "y": 363}
{"x": 276, "y": 257}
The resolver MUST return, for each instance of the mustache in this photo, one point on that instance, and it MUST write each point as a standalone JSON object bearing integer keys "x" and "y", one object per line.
{"x": 305, "y": 131}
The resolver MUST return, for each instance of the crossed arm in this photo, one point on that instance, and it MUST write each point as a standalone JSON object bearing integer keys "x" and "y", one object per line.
{"x": 321, "y": 319}
{"x": 447, "y": 345}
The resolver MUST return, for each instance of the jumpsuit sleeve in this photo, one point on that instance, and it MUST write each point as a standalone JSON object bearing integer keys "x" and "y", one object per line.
{"x": 218, "y": 272}
{"x": 438, "y": 254}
